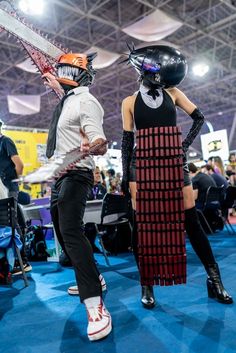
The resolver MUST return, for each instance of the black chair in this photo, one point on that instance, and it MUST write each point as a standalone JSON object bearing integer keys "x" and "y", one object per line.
{"x": 31, "y": 214}
{"x": 115, "y": 211}
{"x": 212, "y": 204}
{"x": 8, "y": 219}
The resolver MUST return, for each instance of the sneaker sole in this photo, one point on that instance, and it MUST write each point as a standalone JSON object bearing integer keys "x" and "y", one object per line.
{"x": 102, "y": 333}
{"x": 27, "y": 269}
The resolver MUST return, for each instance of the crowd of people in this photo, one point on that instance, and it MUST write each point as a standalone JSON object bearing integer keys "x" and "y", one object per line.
{"x": 214, "y": 173}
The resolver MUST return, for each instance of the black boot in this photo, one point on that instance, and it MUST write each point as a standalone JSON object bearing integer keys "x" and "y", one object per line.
{"x": 148, "y": 299}
{"x": 215, "y": 286}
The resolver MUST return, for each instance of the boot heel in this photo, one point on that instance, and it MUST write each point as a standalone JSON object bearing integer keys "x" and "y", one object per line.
{"x": 215, "y": 286}
{"x": 148, "y": 299}
{"x": 210, "y": 290}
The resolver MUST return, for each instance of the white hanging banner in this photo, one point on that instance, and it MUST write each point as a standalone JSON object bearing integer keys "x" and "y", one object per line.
{"x": 24, "y": 104}
{"x": 215, "y": 144}
{"x": 153, "y": 27}
{"x": 104, "y": 58}
{"x": 158, "y": 42}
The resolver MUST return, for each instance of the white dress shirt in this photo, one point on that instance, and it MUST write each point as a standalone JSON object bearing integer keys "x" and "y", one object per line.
{"x": 83, "y": 110}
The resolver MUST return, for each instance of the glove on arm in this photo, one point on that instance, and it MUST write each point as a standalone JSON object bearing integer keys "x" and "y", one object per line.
{"x": 127, "y": 146}
{"x": 198, "y": 120}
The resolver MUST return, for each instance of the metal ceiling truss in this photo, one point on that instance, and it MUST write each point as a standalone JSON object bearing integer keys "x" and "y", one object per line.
{"x": 208, "y": 32}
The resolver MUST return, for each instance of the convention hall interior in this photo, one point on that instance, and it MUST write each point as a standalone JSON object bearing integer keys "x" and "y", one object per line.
{"x": 117, "y": 176}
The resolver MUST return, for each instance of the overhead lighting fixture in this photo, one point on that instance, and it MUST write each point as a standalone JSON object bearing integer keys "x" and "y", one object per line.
{"x": 200, "y": 69}
{"x": 32, "y": 7}
{"x": 192, "y": 154}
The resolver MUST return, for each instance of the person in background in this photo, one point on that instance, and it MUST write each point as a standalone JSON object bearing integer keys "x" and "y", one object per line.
{"x": 110, "y": 180}
{"x": 98, "y": 191}
{"x": 218, "y": 178}
{"x": 11, "y": 165}
{"x": 11, "y": 168}
{"x": 5, "y": 266}
{"x": 118, "y": 182}
{"x": 218, "y": 165}
{"x": 103, "y": 180}
{"x": 201, "y": 182}
{"x": 231, "y": 168}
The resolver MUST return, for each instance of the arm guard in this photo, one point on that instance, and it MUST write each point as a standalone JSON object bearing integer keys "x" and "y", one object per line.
{"x": 198, "y": 120}
{"x": 127, "y": 146}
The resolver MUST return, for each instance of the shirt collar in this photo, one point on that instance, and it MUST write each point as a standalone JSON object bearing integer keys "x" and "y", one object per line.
{"x": 79, "y": 90}
{"x": 145, "y": 90}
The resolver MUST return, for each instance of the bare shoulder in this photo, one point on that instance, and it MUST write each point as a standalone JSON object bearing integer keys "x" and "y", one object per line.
{"x": 174, "y": 92}
{"x": 181, "y": 100}
{"x": 177, "y": 92}
{"x": 129, "y": 101}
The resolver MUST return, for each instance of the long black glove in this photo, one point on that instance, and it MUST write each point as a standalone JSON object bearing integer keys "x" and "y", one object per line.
{"x": 198, "y": 120}
{"x": 127, "y": 146}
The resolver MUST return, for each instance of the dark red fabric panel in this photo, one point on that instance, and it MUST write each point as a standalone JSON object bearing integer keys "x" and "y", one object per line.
{"x": 160, "y": 208}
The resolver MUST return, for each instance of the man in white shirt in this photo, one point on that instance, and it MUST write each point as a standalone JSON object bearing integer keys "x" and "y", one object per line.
{"x": 79, "y": 111}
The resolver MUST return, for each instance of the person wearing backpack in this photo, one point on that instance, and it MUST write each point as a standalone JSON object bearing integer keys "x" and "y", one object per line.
{"x": 11, "y": 168}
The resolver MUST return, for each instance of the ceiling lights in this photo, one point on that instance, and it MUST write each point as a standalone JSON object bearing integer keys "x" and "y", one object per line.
{"x": 32, "y": 7}
{"x": 200, "y": 69}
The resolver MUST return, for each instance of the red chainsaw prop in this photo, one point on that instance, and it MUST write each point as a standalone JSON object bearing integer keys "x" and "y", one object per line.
{"x": 59, "y": 166}
{"x": 43, "y": 52}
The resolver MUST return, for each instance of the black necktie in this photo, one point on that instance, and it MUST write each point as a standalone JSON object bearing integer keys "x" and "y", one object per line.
{"x": 52, "y": 133}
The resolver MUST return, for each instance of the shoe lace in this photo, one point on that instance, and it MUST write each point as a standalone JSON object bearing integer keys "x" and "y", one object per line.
{"x": 95, "y": 313}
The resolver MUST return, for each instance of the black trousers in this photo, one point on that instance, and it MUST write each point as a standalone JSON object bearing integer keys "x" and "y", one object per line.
{"x": 68, "y": 202}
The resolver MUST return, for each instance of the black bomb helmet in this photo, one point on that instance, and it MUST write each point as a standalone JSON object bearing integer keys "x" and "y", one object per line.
{"x": 160, "y": 65}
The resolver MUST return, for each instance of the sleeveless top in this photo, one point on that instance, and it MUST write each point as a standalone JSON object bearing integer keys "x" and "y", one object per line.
{"x": 164, "y": 115}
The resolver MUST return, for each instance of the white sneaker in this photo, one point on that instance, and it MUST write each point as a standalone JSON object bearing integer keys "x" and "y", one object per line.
{"x": 73, "y": 290}
{"x": 99, "y": 322}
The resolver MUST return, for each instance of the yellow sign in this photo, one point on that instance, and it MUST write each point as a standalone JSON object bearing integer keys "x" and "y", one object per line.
{"x": 31, "y": 148}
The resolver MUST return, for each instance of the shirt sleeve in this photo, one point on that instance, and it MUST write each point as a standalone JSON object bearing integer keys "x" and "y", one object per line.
{"x": 10, "y": 147}
{"x": 195, "y": 183}
{"x": 92, "y": 119}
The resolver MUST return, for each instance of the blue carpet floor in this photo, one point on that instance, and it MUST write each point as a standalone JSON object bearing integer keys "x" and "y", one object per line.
{"x": 44, "y": 319}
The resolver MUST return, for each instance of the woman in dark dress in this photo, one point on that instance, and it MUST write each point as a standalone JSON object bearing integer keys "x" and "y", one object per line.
{"x": 152, "y": 110}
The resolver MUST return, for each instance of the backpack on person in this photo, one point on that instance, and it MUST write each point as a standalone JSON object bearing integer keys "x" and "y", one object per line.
{"x": 35, "y": 244}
